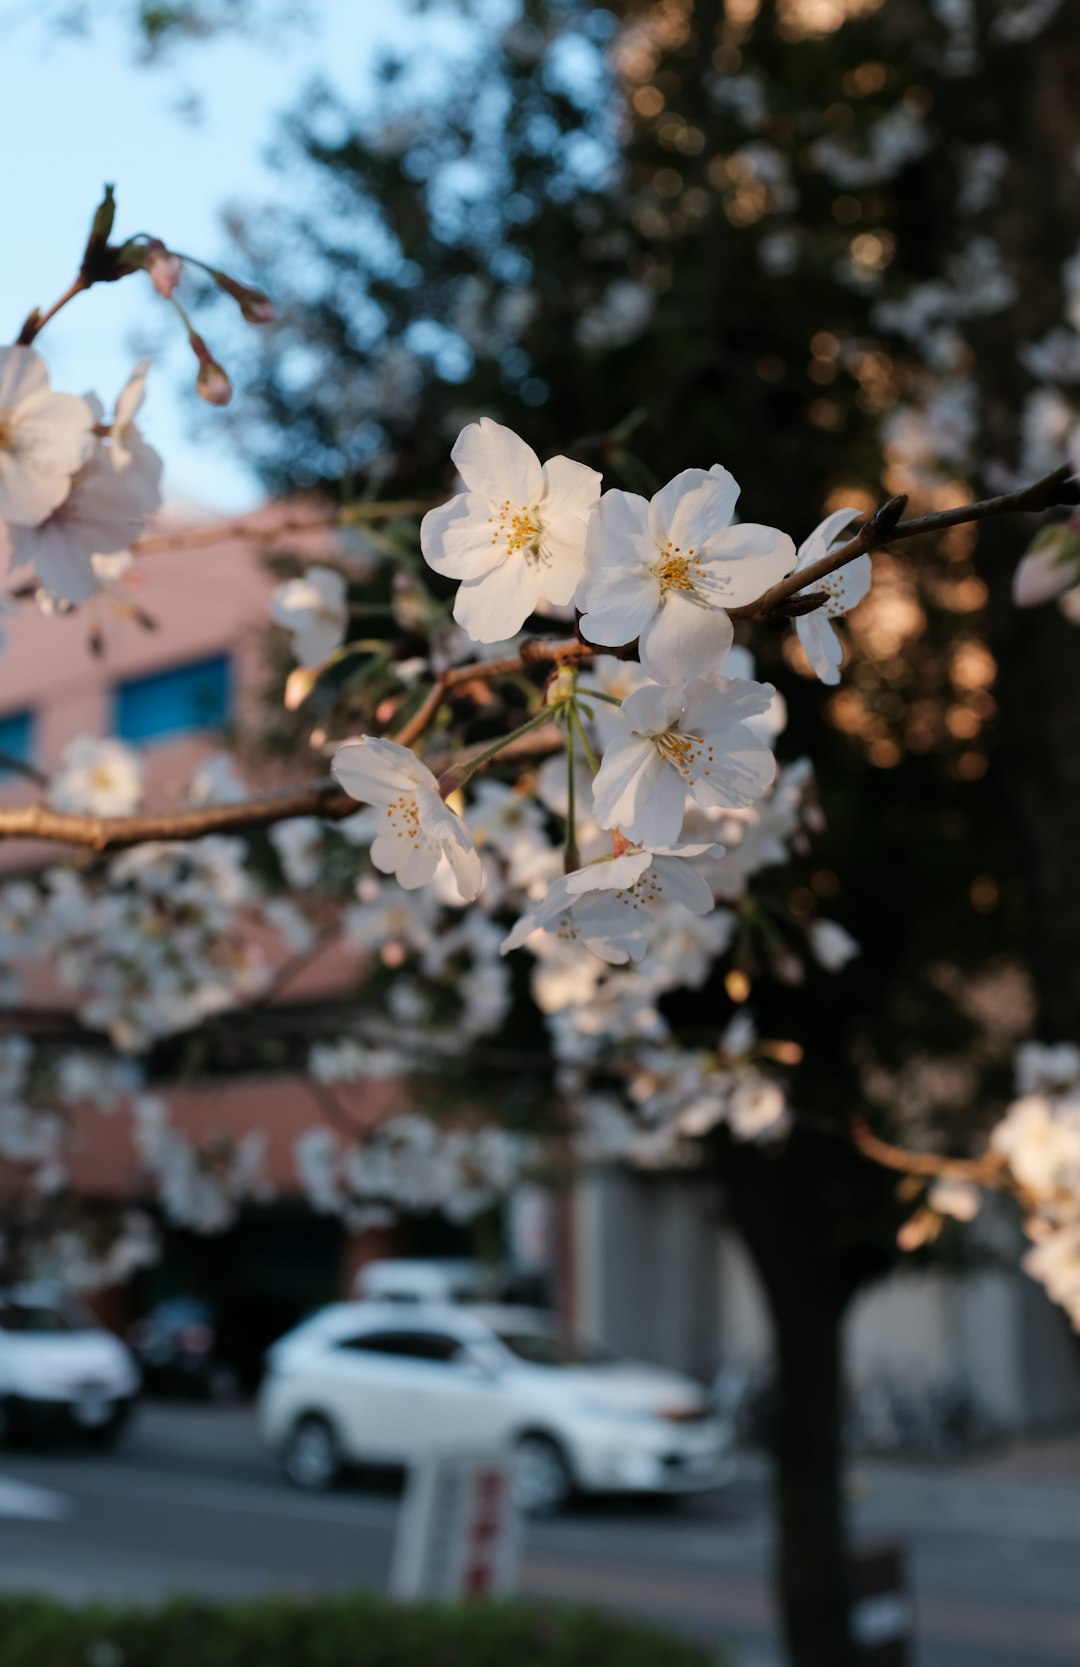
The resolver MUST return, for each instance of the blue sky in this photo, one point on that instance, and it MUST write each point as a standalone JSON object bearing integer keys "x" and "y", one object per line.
{"x": 83, "y": 112}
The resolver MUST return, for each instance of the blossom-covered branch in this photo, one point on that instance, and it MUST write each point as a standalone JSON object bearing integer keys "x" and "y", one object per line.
{"x": 322, "y": 799}
{"x": 886, "y": 527}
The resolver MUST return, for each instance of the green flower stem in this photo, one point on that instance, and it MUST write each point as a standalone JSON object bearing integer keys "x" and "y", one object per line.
{"x": 586, "y": 746}
{"x": 597, "y": 694}
{"x": 459, "y": 774}
{"x": 571, "y": 859}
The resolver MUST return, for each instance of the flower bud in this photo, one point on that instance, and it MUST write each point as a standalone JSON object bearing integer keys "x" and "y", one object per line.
{"x": 256, "y": 307}
{"x": 298, "y": 685}
{"x": 561, "y": 686}
{"x": 212, "y": 383}
{"x": 162, "y": 268}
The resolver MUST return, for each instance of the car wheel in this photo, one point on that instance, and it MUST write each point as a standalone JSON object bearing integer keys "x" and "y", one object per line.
{"x": 542, "y": 1481}
{"x": 108, "y": 1434}
{"x": 310, "y": 1457}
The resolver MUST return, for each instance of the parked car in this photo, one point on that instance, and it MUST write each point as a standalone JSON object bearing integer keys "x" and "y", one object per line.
{"x": 368, "y": 1382}
{"x": 60, "y": 1371}
{"x": 435, "y": 1279}
{"x": 177, "y": 1347}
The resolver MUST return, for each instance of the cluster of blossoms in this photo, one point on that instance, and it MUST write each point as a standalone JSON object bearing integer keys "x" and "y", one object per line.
{"x": 407, "y": 1164}
{"x": 201, "y": 1185}
{"x": 160, "y": 939}
{"x": 1039, "y": 1140}
{"x": 76, "y": 488}
{"x": 685, "y": 739}
{"x": 43, "y": 1091}
{"x": 627, "y": 862}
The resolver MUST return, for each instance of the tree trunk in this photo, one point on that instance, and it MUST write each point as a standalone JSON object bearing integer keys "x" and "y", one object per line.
{"x": 786, "y": 1234}
{"x": 812, "y": 1548}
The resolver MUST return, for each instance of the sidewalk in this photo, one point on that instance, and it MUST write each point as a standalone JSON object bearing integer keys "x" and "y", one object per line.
{"x": 1029, "y": 1488}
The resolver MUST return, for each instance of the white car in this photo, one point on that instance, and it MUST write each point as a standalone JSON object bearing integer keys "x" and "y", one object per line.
{"x": 59, "y": 1369}
{"x": 368, "y": 1382}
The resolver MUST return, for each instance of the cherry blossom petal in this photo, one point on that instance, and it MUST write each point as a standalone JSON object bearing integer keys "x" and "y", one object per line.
{"x": 450, "y": 836}
{"x": 495, "y": 463}
{"x": 613, "y": 874}
{"x": 494, "y": 607}
{"x": 692, "y": 510}
{"x": 680, "y": 883}
{"x": 52, "y": 437}
{"x": 738, "y": 774}
{"x": 822, "y": 645}
{"x": 637, "y": 792}
{"x": 618, "y": 605}
{"x": 374, "y": 771}
{"x": 23, "y": 373}
{"x": 684, "y": 639}
{"x": 64, "y": 567}
{"x": 742, "y": 563}
{"x": 456, "y": 538}
{"x": 412, "y": 865}
{"x": 575, "y": 486}
{"x": 653, "y": 708}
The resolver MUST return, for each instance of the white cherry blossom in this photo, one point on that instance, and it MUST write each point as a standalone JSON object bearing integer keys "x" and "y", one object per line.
{"x": 314, "y": 608}
{"x": 611, "y": 904}
{"x": 515, "y": 537}
{"x": 140, "y": 463}
{"x": 844, "y": 589}
{"x": 104, "y": 513}
{"x": 1055, "y": 1263}
{"x": 674, "y": 739}
{"x": 663, "y": 572}
{"x": 96, "y": 778}
{"x": 45, "y": 438}
{"x": 418, "y": 828}
{"x": 831, "y": 945}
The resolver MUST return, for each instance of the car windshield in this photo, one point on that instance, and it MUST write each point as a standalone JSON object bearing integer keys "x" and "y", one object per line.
{"x": 551, "y": 1348}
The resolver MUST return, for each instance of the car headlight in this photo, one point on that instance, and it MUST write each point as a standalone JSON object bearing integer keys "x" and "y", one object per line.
{"x": 684, "y": 1415}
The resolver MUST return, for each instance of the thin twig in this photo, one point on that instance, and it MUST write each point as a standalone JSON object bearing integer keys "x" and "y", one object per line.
{"x": 36, "y": 321}
{"x": 323, "y": 799}
{"x": 885, "y": 527}
{"x": 982, "y": 1171}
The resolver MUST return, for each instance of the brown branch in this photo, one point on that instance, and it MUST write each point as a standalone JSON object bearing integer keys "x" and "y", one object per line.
{"x": 536, "y": 651}
{"x": 323, "y": 799}
{"x": 982, "y": 1171}
{"x": 885, "y": 527}
{"x": 37, "y": 320}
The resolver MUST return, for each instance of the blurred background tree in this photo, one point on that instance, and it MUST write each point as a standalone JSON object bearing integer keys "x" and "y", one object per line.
{"x": 831, "y": 244}
{"x": 821, "y": 241}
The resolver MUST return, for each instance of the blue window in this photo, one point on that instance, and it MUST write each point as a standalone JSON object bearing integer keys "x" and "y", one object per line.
{"x": 16, "y": 740}
{"x": 191, "y": 697}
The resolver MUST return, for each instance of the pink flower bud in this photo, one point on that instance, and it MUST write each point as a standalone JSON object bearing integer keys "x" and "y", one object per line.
{"x": 256, "y": 307}
{"x": 162, "y": 268}
{"x": 212, "y": 383}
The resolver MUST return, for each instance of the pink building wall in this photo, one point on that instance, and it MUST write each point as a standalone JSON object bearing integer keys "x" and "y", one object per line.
{"x": 208, "y": 597}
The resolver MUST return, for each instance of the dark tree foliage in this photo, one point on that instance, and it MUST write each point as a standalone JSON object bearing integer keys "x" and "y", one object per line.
{"x": 617, "y": 230}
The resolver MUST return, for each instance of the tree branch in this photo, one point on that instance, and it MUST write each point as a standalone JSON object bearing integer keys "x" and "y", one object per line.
{"x": 885, "y": 527}
{"x": 981, "y": 1171}
{"x": 323, "y": 799}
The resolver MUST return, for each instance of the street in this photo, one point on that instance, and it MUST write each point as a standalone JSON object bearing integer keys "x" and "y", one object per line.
{"x": 191, "y": 1502}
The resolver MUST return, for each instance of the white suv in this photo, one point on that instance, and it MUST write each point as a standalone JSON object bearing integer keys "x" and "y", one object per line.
{"x": 59, "y": 1369}
{"x": 368, "y": 1382}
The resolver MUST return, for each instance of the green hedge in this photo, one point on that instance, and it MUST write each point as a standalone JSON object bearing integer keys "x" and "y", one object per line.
{"x": 356, "y": 1631}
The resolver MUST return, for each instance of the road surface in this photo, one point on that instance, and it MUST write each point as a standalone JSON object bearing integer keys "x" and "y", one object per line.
{"x": 191, "y": 1502}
